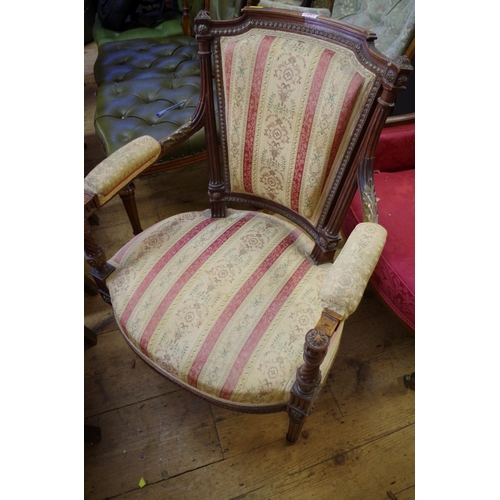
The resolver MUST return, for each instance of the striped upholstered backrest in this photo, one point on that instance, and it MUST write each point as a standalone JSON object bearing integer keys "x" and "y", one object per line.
{"x": 292, "y": 103}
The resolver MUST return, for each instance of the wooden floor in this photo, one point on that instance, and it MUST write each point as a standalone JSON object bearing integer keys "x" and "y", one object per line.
{"x": 357, "y": 445}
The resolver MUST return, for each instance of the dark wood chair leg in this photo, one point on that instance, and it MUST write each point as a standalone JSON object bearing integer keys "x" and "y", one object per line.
{"x": 128, "y": 198}
{"x": 92, "y": 433}
{"x": 307, "y": 384}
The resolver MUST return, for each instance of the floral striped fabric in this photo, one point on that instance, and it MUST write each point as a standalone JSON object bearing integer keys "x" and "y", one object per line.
{"x": 291, "y": 103}
{"x": 221, "y": 305}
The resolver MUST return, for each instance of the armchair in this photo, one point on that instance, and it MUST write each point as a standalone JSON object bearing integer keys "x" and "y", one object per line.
{"x": 245, "y": 308}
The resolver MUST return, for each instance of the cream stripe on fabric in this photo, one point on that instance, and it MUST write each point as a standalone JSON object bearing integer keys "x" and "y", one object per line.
{"x": 305, "y": 133}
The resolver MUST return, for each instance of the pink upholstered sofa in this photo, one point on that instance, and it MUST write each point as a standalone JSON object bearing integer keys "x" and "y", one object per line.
{"x": 394, "y": 177}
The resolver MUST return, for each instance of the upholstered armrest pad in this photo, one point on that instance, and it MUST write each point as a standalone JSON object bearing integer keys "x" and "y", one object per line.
{"x": 120, "y": 168}
{"x": 349, "y": 275}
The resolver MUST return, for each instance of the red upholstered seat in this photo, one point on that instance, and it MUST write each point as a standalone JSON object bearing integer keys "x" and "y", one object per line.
{"x": 394, "y": 276}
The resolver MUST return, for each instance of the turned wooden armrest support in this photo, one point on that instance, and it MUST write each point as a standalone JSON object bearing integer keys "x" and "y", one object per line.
{"x": 341, "y": 294}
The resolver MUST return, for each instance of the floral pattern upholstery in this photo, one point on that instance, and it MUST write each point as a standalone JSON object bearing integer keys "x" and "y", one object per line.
{"x": 222, "y": 306}
{"x": 266, "y": 79}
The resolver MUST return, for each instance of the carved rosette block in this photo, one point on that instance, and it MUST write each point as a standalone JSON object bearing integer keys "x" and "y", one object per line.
{"x": 325, "y": 247}
{"x": 217, "y": 205}
{"x": 201, "y": 23}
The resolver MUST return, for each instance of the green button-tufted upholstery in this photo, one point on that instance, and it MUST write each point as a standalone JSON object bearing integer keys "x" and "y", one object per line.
{"x": 147, "y": 58}
{"x": 127, "y": 110}
{"x": 141, "y": 72}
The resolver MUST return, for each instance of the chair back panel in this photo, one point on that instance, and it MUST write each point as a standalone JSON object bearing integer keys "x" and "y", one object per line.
{"x": 301, "y": 101}
{"x": 291, "y": 105}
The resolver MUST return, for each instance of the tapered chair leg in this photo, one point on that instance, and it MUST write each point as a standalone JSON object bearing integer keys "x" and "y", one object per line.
{"x": 128, "y": 198}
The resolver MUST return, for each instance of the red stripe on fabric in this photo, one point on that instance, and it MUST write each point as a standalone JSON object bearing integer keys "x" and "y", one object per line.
{"x": 310, "y": 111}
{"x": 186, "y": 276}
{"x": 253, "y": 109}
{"x": 261, "y": 328}
{"x": 233, "y": 306}
{"x": 228, "y": 66}
{"x": 345, "y": 114}
{"x": 159, "y": 266}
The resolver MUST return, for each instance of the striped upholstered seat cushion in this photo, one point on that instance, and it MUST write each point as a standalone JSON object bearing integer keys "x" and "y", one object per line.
{"x": 221, "y": 305}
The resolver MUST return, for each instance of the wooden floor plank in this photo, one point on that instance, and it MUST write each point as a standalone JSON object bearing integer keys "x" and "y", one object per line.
{"x": 371, "y": 331}
{"x": 246, "y": 432}
{"x": 240, "y": 432}
{"x": 116, "y": 377}
{"x": 154, "y": 439}
{"x": 365, "y": 472}
{"x": 357, "y": 386}
{"x": 274, "y": 471}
